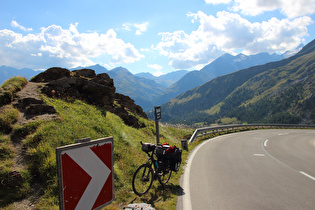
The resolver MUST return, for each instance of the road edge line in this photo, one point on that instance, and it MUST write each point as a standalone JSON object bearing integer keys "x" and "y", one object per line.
{"x": 186, "y": 197}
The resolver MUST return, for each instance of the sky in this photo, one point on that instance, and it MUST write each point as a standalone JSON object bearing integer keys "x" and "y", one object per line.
{"x": 148, "y": 36}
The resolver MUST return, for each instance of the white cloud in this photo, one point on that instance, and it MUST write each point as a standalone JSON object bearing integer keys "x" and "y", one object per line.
{"x": 158, "y": 69}
{"x": 229, "y": 32}
{"x": 127, "y": 26}
{"x": 55, "y": 46}
{"x": 155, "y": 66}
{"x": 140, "y": 28}
{"x": 16, "y": 25}
{"x": 290, "y": 8}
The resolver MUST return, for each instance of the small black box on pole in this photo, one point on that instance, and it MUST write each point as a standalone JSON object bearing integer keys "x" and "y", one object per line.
{"x": 157, "y": 112}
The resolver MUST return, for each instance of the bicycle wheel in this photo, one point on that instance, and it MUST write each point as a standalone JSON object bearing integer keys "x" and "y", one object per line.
{"x": 165, "y": 176}
{"x": 142, "y": 179}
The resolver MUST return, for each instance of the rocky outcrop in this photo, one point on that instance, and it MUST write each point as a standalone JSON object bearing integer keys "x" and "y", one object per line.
{"x": 85, "y": 85}
{"x": 32, "y": 106}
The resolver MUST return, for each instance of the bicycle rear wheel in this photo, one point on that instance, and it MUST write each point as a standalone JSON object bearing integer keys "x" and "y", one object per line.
{"x": 142, "y": 179}
{"x": 165, "y": 177}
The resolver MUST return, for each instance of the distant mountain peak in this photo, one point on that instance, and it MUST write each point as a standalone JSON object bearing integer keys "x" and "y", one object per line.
{"x": 121, "y": 70}
{"x": 240, "y": 57}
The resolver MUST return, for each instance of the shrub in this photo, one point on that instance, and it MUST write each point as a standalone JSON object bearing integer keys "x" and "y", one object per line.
{"x": 8, "y": 116}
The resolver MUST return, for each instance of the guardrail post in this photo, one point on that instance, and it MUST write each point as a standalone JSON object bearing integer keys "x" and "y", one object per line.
{"x": 184, "y": 144}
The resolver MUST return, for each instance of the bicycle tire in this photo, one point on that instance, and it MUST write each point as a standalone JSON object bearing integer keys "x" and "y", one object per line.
{"x": 165, "y": 177}
{"x": 142, "y": 179}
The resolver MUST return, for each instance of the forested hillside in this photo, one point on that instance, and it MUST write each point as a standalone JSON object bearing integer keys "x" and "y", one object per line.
{"x": 277, "y": 92}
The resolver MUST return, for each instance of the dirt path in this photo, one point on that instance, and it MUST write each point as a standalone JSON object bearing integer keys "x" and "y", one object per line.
{"x": 29, "y": 93}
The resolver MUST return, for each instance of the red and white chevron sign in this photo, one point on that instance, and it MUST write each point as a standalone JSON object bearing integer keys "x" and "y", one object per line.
{"x": 85, "y": 175}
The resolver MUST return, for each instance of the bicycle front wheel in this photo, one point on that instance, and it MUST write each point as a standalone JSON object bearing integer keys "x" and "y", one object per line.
{"x": 142, "y": 179}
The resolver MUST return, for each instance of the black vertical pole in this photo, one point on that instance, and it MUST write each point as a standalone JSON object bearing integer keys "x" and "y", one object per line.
{"x": 157, "y": 132}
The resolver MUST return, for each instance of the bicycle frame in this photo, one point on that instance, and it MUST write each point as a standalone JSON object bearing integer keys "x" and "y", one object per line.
{"x": 152, "y": 161}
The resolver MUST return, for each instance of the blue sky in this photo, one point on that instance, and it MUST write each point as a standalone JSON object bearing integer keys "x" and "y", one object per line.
{"x": 146, "y": 35}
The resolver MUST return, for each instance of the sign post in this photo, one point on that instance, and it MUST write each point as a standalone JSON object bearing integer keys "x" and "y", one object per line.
{"x": 85, "y": 174}
{"x": 157, "y": 114}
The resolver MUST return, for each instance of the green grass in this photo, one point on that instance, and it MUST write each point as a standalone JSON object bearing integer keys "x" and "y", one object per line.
{"x": 8, "y": 116}
{"x": 80, "y": 120}
{"x": 8, "y": 192}
{"x": 10, "y": 87}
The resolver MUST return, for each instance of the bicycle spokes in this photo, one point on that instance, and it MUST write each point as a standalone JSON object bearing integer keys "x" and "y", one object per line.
{"x": 142, "y": 179}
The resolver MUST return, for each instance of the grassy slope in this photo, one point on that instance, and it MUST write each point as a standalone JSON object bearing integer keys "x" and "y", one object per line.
{"x": 79, "y": 120}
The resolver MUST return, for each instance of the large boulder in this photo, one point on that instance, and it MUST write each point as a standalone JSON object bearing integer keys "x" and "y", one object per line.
{"x": 88, "y": 73}
{"x": 51, "y": 74}
{"x": 80, "y": 88}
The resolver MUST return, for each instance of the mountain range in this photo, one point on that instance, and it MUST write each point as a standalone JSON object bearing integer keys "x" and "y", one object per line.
{"x": 143, "y": 91}
{"x": 6, "y": 72}
{"x": 148, "y": 90}
{"x": 165, "y": 79}
{"x": 225, "y": 64}
{"x": 276, "y": 92}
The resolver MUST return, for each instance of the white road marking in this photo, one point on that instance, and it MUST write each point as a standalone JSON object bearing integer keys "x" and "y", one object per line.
{"x": 265, "y": 143}
{"x": 186, "y": 197}
{"x": 260, "y": 155}
{"x": 301, "y": 172}
{"x": 307, "y": 175}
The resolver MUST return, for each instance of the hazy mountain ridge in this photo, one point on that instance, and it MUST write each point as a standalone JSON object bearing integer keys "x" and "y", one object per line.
{"x": 165, "y": 79}
{"x": 6, "y": 72}
{"x": 97, "y": 68}
{"x": 142, "y": 90}
{"x": 225, "y": 64}
{"x": 281, "y": 91}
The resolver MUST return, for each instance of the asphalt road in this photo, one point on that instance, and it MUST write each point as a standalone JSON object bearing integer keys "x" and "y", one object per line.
{"x": 262, "y": 169}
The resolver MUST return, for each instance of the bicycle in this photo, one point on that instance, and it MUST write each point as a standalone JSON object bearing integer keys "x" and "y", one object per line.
{"x": 158, "y": 166}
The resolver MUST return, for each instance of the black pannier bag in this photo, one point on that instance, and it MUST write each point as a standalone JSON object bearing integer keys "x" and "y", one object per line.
{"x": 169, "y": 156}
{"x": 175, "y": 159}
{"x": 162, "y": 160}
{"x": 160, "y": 151}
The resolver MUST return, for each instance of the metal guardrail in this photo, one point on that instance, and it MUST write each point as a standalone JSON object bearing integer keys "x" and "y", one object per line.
{"x": 209, "y": 130}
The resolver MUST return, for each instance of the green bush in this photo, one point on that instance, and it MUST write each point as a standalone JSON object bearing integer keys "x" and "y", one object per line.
{"x": 8, "y": 117}
{"x": 6, "y": 151}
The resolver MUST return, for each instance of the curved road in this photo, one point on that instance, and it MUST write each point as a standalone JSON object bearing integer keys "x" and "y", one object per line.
{"x": 262, "y": 169}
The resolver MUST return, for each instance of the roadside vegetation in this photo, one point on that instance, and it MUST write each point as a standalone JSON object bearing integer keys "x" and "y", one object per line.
{"x": 79, "y": 120}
